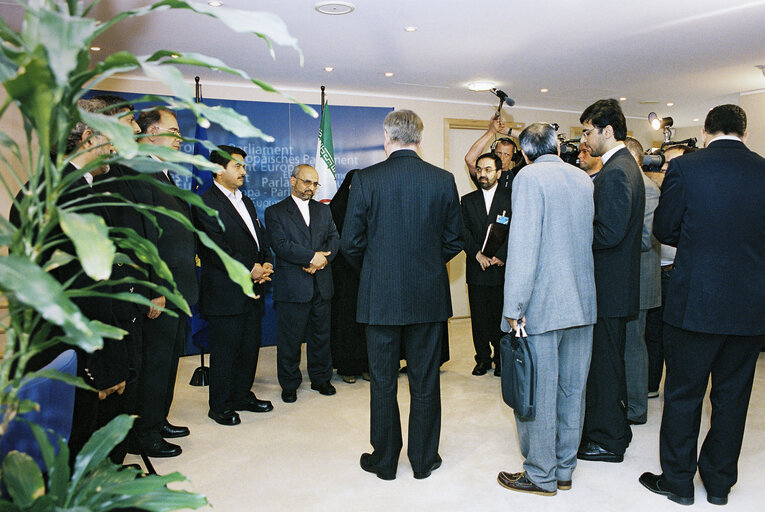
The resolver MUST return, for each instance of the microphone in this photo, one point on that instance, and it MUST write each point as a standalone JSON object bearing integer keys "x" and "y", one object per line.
{"x": 503, "y": 98}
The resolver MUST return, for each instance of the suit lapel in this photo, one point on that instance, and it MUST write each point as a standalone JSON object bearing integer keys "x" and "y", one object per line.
{"x": 297, "y": 218}
{"x": 229, "y": 209}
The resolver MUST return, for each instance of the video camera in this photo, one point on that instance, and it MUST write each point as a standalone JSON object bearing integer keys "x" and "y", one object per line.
{"x": 653, "y": 162}
{"x": 569, "y": 150}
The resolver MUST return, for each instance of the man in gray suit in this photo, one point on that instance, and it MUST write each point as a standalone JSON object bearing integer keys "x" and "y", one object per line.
{"x": 550, "y": 288}
{"x": 635, "y": 349}
{"x": 402, "y": 225}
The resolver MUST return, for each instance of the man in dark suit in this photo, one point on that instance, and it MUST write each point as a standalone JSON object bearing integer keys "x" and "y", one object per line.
{"x": 402, "y": 225}
{"x": 711, "y": 209}
{"x": 504, "y": 147}
{"x": 485, "y": 275}
{"x": 305, "y": 240}
{"x": 164, "y": 335}
{"x": 619, "y": 208}
{"x": 235, "y": 318}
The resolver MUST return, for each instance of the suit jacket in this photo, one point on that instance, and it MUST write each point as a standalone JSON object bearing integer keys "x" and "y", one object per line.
{"x": 176, "y": 244}
{"x": 476, "y": 222}
{"x": 549, "y": 271}
{"x": 712, "y": 210}
{"x": 401, "y": 227}
{"x": 619, "y": 210}
{"x": 294, "y": 245}
{"x": 219, "y": 295}
{"x": 650, "y": 261}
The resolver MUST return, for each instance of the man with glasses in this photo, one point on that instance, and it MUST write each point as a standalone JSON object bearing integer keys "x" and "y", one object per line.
{"x": 619, "y": 196}
{"x": 164, "y": 335}
{"x": 304, "y": 240}
{"x": 485, "y": 274}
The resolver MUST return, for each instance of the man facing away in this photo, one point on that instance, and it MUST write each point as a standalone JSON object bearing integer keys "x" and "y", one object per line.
{"x": 305, "y": 240}
{"x": 485, "y": 275}
{"x": 550, "y": 289}
{"x": 401, "y": 227}
{"x": 235, "y": 319}
{"x": 711, "y": 209}
{"x": 619, "y": 196}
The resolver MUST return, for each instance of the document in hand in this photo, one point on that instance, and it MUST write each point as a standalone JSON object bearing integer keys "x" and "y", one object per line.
{"x": 496, "y": 234}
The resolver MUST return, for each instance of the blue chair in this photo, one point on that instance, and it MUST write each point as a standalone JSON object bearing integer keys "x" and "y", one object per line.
{"x": 56, "y": 400}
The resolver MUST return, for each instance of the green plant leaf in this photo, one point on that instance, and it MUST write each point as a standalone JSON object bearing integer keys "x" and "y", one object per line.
{"x": 22, "y": 280}
{"x": 231, "y": 120}
{"x": 170, "y": 77}
{"x": 26, "y": 406}
{"x": 236, "y": 271}
{"x": 59, "y": 473}
{"x": 58, "y": 259}
{"x": 99, "y": 445}
{"x": 145, "y": 251}
{"x": 7, "y": 231}
{"x": 72, "y": 380}
{"x": 90, "y": 236}
{"x": 34, "y": 90}
{"x": 22, "y": 478}
{"x": 63, "y": 36}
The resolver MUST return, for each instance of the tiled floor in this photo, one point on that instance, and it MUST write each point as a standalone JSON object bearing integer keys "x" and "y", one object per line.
{"x": 304, "y": 456}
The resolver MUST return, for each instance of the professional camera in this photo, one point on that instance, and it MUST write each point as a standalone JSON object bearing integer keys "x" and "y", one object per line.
{"x": 653, "y": 161}
{"x": 569, "y": 150}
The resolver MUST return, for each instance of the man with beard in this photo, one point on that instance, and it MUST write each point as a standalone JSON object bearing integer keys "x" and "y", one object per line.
{"x": 588, "y": 163}
{"x": 504, "y": 147}
{"x": 485, "y": 274}
{"x": 305, "y": 240}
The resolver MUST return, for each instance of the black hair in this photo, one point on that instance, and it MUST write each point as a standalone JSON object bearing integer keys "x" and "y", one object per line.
{"x": 728, "y": 119}
{"x": 606, "y": 112}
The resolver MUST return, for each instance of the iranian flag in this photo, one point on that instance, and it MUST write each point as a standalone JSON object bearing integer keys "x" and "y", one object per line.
{"x": 325, "y": 158}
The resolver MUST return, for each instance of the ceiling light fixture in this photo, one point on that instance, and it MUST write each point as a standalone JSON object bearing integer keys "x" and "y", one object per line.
{"x": 622, "y": 99}
{"x": 658, "y": 123}
{"x": 95, "y": 48}
{"x": 695, "y": 119}
{"x": 335, "y": 8}
{"x": 481, "y": 85}
{"x": 215, "y": 4}
{"x": 410, "y": 29}
{"x": 329, "y": 69}
{"x": 389, "y": 73}
{"x": 670, "y": 104}
{"x": 543, "y": 90}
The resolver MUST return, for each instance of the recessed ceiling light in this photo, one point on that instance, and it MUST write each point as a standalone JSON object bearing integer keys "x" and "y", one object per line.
{"x": 329, "y": 69}
{"x": 214, "y": 4}
{"x": 388, "y": 74}
{"x": 543, "y": 90}
{"x": 95, "y": 48}
{"x": 695, "y": 119}
{"x": 335, "y": 8}
{"x": 410, "y": 29}
{"x": 622, "y": 99}
{"x": 670, "y": 104}
{"x": 481, "y": 85}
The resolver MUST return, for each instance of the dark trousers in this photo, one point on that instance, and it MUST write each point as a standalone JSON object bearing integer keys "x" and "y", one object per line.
{"x": 486, "y": 318}
{"x": 234, "y": 348}
{"x": 654, "y": 327}
{"x": 163, "y": 341}
{"x": 298, "y": 322}
{"x": 605, "y": 420}
{"x": 423, "y": 347}
{"x": 691, "y": 358}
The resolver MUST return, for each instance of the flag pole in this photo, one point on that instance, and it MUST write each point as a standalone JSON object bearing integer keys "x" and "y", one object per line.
{"x": 198, "y": 90}
{"x": 322, "y": 96}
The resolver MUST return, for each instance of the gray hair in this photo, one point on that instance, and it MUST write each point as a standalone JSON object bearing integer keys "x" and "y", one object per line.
{"x": 74, "y": 139}
{"x": 538, "y": 139}
{"x": 403, "y": 127}
{"x": 635, "y": 148}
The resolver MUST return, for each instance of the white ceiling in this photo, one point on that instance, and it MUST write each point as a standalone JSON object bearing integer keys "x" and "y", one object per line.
{"x": 695, "y": 54}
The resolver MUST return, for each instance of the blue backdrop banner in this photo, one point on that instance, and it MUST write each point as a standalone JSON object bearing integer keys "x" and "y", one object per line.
{"x": 357, "y": 135}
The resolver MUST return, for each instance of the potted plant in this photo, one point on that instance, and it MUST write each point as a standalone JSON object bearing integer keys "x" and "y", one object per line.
{"x": 45, "y": 68}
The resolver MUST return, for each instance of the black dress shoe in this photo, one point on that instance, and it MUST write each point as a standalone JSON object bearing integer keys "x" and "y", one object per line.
{"x": 593, "y": 451}
{"x": 325, "y": 388}
{"x": 419, "y": 475}
{"x": 519, "y": 482}
{"x": 289, "y": 395}
{"x": 161, "y": 448}
{"x": 657, "y": 484}
{"x": 252, "y": 404}
{"x": 225, "y": 417}
{"x": 481, "y": 368}
{"x": 382, "y": 474}
{"x": 497, "y": 370}
{"x": 169, "y": 431}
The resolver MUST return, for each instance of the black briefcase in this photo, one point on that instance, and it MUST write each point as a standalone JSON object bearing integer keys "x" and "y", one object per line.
{"x": 519, "y": 377}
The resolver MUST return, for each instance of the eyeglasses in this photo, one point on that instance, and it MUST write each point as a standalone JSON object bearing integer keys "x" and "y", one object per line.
{"x": 309, "y": 183}
{"x": 586, "y": 133}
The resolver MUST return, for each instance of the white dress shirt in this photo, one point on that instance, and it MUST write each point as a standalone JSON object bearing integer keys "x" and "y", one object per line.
{"x": 488, "y": 197}
{"x": 303, "y": 207}
{"x": 238, "y": 203}
{"x": 608, "y": 154}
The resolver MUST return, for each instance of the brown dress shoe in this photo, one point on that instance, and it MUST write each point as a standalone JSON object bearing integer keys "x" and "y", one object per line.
{"x": 521, "y": 484}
